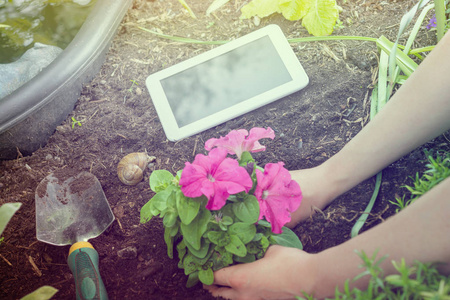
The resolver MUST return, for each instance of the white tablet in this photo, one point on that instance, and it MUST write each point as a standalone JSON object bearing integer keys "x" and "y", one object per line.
{"x": 225, "y": 82}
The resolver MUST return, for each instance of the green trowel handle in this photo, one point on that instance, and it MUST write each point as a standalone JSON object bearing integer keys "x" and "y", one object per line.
{"x": 83, "y": 262}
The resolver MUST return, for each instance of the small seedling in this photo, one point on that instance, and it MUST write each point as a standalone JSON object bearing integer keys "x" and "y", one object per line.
{"x": 134, "y": 82}
{"x": 130, "y": 90}
{"x": 75, "y": 122}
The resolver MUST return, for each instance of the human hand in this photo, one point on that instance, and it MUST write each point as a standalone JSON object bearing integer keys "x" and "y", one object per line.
{"x": 318, "y": 191}
{"x": 283, "y": 273}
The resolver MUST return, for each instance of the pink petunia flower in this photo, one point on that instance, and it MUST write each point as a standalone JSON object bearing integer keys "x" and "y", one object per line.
{"x": 215, "y": 176}
{"x": 277, "y": 195}
{"x": 238, "y": 141}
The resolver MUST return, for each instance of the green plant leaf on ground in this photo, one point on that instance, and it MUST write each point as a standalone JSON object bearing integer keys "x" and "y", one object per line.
{"x": 294, "y": 9}
{"x": 185, "y": 5}
{"x": 260, "y": 8}
{"x": 43, "y": 293}
{"x": 215, "y": 6}
{"x": 7, "y": 210}
{"x": 321, "y": 17}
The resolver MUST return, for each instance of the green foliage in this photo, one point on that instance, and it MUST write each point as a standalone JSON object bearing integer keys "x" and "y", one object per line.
{"x": 7, "y": 210}
{"x": 420, "y": 281}
{"x": 42, "y": 293}
{"x": 395, "y": 66}
{"x": 437, "y": 169}
{"x": 205, "y": 240}
{"x": 186, "y": 6}
{"x": 75, "y": 122}
{"x": 318, "y": 16}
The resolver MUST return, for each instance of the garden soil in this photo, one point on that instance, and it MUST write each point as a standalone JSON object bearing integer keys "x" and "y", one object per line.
{"x": 117, "y": 117}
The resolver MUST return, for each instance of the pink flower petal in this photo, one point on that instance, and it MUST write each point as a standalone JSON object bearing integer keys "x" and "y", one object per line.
{"x": 215, "y": 176}
{"x": 238, "y": 141}
{"x": 277, "y": 194}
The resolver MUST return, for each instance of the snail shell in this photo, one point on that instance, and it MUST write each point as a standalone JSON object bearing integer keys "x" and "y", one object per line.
{"x": 131, "y": 168}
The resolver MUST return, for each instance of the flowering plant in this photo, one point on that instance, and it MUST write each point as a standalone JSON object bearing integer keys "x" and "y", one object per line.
{"x": 219, "y": 211}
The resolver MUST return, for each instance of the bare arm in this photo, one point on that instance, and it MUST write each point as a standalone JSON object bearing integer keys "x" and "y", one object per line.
{"x": 418, "y": 112}
{"x": 420, "y": 232}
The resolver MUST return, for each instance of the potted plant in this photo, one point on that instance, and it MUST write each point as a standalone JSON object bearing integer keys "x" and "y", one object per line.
{"x": 219, "y": 210}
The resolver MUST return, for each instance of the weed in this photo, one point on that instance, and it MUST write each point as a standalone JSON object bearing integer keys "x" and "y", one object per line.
{"x": 75, "y": 122}
{"x": 437, "y": 169}
{"x": 134, "y": 82}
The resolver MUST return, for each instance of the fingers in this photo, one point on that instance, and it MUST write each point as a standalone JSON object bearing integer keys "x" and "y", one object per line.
{"x": 224, "y": 292}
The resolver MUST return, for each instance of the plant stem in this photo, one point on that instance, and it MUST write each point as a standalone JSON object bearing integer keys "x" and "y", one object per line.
{"x": 440, "y": 18}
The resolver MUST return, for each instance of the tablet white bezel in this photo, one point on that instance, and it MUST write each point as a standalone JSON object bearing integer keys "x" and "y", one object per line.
{"x": 164, "y": 111}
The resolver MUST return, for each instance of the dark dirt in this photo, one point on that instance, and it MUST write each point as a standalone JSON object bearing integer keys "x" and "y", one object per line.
{"x": 118, "y": 118}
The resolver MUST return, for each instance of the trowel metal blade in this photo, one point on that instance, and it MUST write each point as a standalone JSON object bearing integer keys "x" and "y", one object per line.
{"x": 71, "y": 210}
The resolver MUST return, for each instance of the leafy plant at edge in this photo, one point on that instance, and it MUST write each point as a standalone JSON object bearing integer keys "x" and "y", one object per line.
{"x": 318, "y": 16}
{"x": 420, "y": 281}
{"x": 437, "y": 169}
{"x": 395, "y": 66}
{"x": 7, "y": 210}
{"x": 210, "y": 239}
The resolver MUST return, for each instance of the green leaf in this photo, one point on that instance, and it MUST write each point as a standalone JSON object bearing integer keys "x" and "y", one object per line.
{"x": 216, "y": 236}
{"x": 246, "y": 259}
{"x": 161, "y": 199}
{"x": 248, "y": 210}
{"x": 160, "y": 180}
{"x": 189, "y": 264}
{"x": 182, "y": 250}
{"x": 221, "y": 258}
{"x": 260, "y": 8}
{"x": 294, "y": 10}
{"x": 215, "y": 6}
{"x": 185, "y": 5}
{"x": 287, "y": 238}
{"x": 202, "y": 252}
{"x": 146, "y": 212}
{"x": 236, "y": 246}
{"x": 206, "y": 276}
{"x": 192, "y": 280}
{"x": 170, "y": 219}
{"x": 193, "y": 232}
{"x": 187, "y": 208}
{"x": 246, "y": 158}
{"x": 226, "y": 220}
{"x": 169, "y": 241}
{"x": 321, "y": 17}
{"x": 264, "y": 245}
{"x": 43, "y": 293}
{"x": 245, "y": 231}
{"x": 7, "y": 210}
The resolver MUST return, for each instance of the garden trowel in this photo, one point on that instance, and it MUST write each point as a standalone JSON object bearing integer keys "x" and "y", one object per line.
{"x": 69, "y": 211}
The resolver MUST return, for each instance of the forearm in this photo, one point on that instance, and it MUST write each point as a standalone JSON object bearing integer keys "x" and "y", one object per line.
{"x": 420, "y": 232}
{"x": 418, "y": 112}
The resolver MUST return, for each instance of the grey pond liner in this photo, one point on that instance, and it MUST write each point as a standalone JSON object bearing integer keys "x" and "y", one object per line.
{"x": 30, "y": 115}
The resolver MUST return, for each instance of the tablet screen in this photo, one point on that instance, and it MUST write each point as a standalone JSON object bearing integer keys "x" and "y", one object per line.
{"x": 224, "y": 81}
